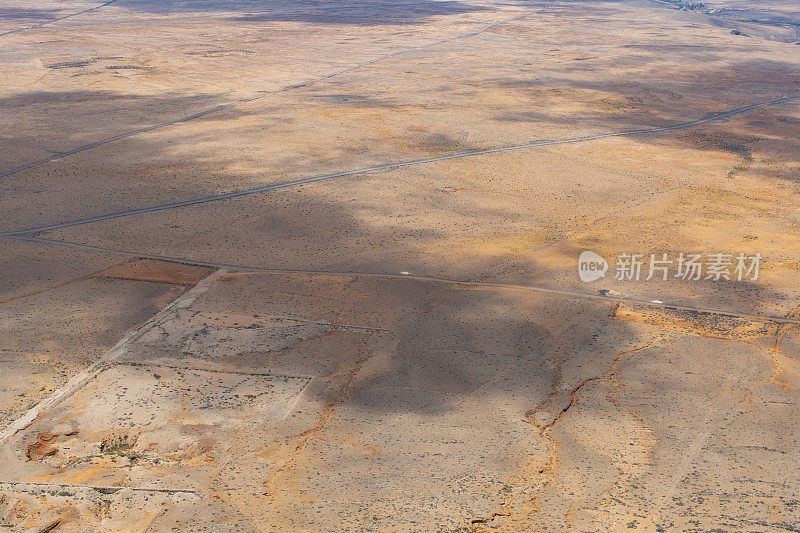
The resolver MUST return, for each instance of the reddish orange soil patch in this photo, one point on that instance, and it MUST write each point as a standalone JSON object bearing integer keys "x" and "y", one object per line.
{"x": 700, "y": 322}
{"x": 42, "y": 447}
{"x": 156, "y": 272}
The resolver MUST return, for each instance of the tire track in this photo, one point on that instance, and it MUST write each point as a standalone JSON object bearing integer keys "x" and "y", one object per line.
{"x": 392, "y": 166}
{"x": 47, "y": 23}
{"x": 262, "y": 94}
{"x": 421, "y": 278}
{"x": 79, "y": 380}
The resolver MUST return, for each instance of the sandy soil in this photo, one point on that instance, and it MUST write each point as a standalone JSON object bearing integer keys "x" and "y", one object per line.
{"x": 311, "y": 266}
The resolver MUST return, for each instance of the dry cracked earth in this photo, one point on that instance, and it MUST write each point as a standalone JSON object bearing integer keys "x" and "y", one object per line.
{"x": 313, "y": 265}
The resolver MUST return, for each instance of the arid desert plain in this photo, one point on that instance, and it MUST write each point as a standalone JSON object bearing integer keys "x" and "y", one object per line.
{"x": 321, "y": 265}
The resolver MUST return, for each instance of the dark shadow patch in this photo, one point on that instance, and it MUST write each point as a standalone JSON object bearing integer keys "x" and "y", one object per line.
{"x": 357, "y": 100}
{"x": 68, "y": 64}
{"x": 355, "y": 12}
{"x": 27, "y": 14}
{"x": 736, "y": 145}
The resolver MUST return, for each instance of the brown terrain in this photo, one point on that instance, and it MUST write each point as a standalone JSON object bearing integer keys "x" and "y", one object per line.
{"x": 312, "y": 265}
